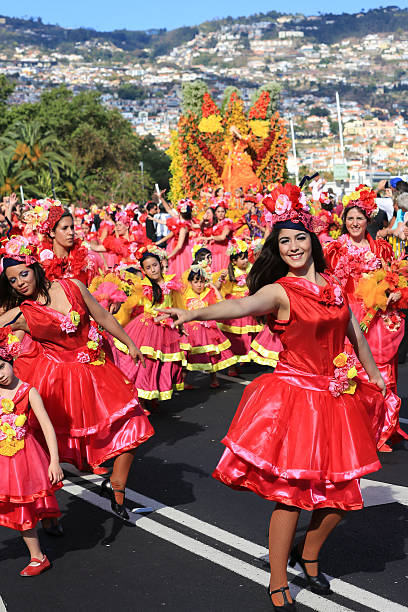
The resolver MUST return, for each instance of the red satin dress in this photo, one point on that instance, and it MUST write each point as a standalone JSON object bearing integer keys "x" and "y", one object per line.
{"x": 291, "y": 440}
{"x": 94, "y": 409}
{"x": 26, "y": 493}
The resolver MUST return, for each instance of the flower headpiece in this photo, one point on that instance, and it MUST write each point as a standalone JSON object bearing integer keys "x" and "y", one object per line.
{"x": 255, "y": 248}
{"x": 38, "y": 214}
{"x": 324, "y": 197}
{"x": 124, "y": 217}
{"x": 9, "y": 344}
{"x": 184, "y": 205}
{"x": 109, "y": 293}
{"x": 19, "y": 249}
{"x": 363, "y": 197}
{"x": 236, "y": 247}
{"x": 288, "y": 203}
{"x": 201, "y": 270}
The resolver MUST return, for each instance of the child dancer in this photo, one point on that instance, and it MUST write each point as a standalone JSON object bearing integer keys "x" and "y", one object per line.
{"x": 27, "y": 479}
{"x": 159, "y": 342}
{"x": 240, "y": 332}
{"x": 208, "y": 350}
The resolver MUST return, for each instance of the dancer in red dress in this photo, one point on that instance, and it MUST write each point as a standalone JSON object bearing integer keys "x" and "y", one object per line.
{"x": 28, "y": 478}
{"x": 93, "y": 408}
{"x": 354, "y": 254}
{"x": 302, "y": 436}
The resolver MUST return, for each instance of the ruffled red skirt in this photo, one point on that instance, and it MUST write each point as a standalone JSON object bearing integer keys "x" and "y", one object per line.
{"x": 93, "y": 408}
{"x": 26, "y": 494}
{"x": 291, "y": 441}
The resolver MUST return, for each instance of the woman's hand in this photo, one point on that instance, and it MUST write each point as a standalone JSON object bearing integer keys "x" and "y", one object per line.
{"x": 179, "y": 316}
{"x": 393, "y": 297}
{"x": 135, "y": 354}
{"x": 379, "y": 382}
{"x": 55, "y": 473}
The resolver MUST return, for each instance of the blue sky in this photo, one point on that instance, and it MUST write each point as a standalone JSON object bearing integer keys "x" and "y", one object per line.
{"x": 137, "y": 15}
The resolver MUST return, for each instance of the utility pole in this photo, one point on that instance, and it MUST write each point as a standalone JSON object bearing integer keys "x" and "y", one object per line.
{"x": 142, "y": 178}
{"x": 340, "y": 127}
{"x": 292, "y": 133}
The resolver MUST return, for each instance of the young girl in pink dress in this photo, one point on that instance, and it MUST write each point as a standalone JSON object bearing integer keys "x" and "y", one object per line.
{"x": 207, "y": 348}
{"x": 159, "y": 343}
{"x": 178, "y": 246}
{"x": 28, "y": 478}
{"x": 221, "y": 234}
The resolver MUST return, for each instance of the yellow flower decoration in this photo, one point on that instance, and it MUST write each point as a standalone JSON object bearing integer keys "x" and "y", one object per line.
{"x": 352, "y": 372}
{"x": 92, "y": 345}
{"x": 7, "y": 405}
{"x": 11, "y": 339}
{"x": 351, "y": 388}
{"x": 340, "y": 361}
{"x": 75, "y": 317}
{"x": 9, "y": 431}
{"x": 20, "y": 420}
{"x": 210, "y": 124}
{"x": 260, "y": 127}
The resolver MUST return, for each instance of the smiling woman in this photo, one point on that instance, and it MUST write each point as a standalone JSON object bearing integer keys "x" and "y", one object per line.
{"x": 301, "y": 436}
{"x": 93, "y": 407}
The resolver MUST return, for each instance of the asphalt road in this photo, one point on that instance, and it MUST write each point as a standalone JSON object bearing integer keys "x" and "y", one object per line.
{"x": 203, "y": 547}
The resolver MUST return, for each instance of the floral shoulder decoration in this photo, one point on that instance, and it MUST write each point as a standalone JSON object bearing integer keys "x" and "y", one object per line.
{"x": 93, "y": 353}
{"x": 375, "y": 288}
{"x": 344, "y": 374}
{"x": 12, "y": 427}
{"x": 9, "y": 343}
{"x": 331, "y": 295}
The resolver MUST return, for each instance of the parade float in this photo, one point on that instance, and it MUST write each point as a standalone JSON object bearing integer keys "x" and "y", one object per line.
{"x": 227, "y": 145}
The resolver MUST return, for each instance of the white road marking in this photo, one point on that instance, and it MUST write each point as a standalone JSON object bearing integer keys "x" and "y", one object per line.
{"x": 252, "y": 549}
{"x": 2, "y": 606}
{"x": 403, "y": 420}
{"x": 234, "y": 379}
{"x": 377, "y": 493}
{"x": 242, "y": 568}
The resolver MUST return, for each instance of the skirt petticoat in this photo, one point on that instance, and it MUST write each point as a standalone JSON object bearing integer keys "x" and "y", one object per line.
{"x": 265, "y": 348}
{"x": 291, "y": 441}
{"x": 160, "y": 345}
{"x": 207, "y": 348}
{"x": 241, "y": 332}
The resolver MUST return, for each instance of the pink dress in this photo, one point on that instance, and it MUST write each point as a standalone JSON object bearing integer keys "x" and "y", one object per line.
{"x": 348, "y": 263}
{"x": 159, "y": 343}
{"x": 26, "y": 493}
{"x": 206, "y": 347}
{"x": 183, "y": 260}
{"x": 219, "y": 249}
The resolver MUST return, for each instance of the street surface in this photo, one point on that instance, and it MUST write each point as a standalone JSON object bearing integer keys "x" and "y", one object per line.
{"x": 204, "y": 547}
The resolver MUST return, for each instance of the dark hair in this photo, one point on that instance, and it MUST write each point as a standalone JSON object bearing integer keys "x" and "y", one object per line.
{"x": 203, "y": 220}
{"x": 187, "y": 216}
{"x": 217, "y": 191}
{"x": 10, "y": 298}
{"x": 233, "y": 260}
{"x": 151, "y": 205}
{"x": 157, "y": 291}
{"x": 197, "y": 275}
{"x": 346, "y": 211}
{"x": 270, "y": 267}
{"x": 401, "y": 186}
{"x": 201, "y": 254}
{"x": 220, "y": 206}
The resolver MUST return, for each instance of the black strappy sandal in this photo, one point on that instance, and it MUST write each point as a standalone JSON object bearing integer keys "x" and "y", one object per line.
{"x": 286, "y": 604}
{"x": 106, "y": 490}
{"x": 318, "y": 584}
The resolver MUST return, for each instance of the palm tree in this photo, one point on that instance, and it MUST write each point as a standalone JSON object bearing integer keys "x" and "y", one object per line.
{"x": 13, "y": 174}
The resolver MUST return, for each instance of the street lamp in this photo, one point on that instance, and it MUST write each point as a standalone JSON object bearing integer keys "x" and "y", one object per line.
{"x": 142, "y": 177}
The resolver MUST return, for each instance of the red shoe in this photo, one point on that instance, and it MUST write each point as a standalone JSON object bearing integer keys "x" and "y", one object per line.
{"x": 35, "y": 570}
{"x": 385, "y": 448}
{"x": 215, "y": 385}
{"x": 188, "y": 387}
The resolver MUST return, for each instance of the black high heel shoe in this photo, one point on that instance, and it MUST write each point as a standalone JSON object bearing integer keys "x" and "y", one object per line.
{"x": 107, "y": 491}
{"x": 318, "y": 584}
{"x": 289, "y": 607}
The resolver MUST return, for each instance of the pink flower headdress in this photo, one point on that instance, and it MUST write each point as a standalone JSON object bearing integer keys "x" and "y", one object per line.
{"x": 18, "y": 249}
{"x": 184, "y": 205}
